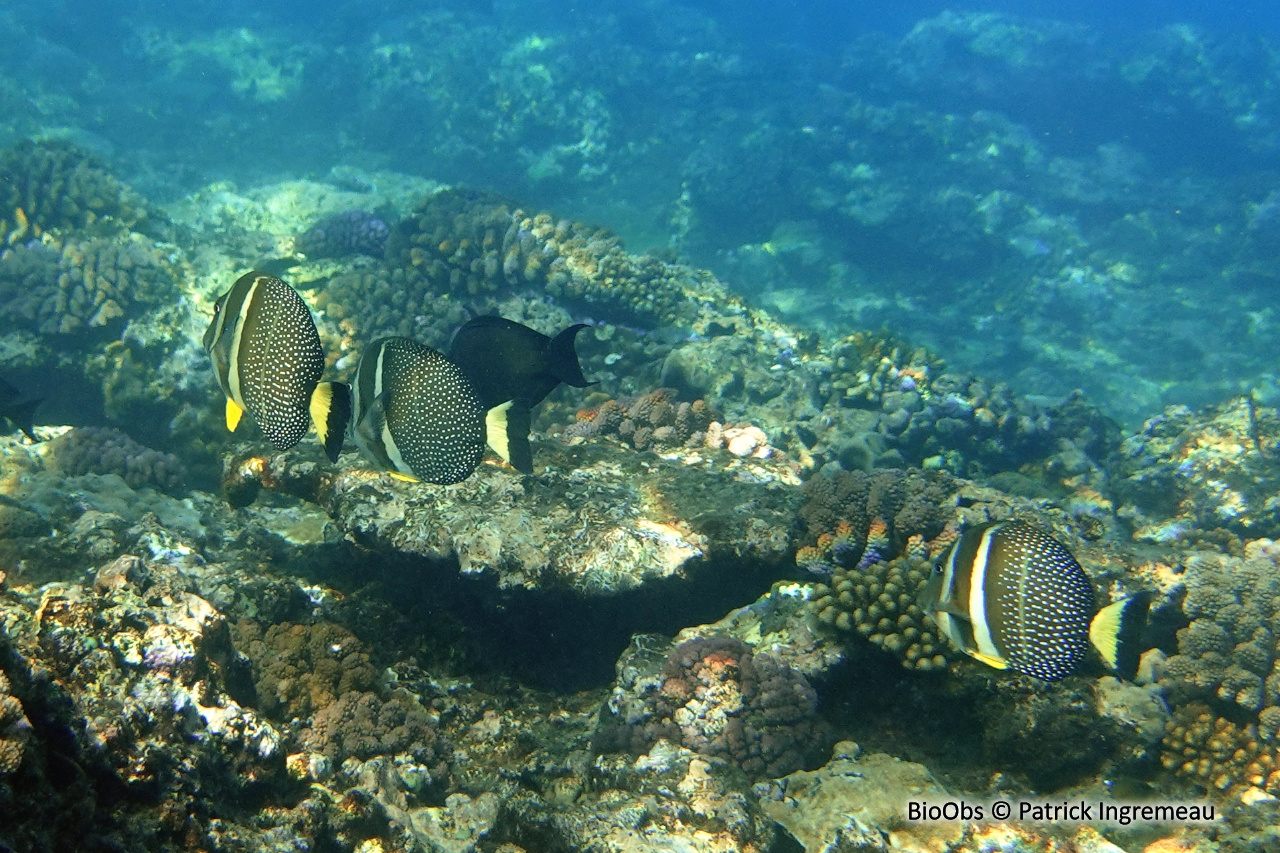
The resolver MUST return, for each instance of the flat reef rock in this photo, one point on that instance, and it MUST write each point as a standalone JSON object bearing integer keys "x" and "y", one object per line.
{"x": 596, "y": 518}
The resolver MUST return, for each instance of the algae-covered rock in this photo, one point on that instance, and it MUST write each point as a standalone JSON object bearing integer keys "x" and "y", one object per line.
{"x": 598, "y": 519}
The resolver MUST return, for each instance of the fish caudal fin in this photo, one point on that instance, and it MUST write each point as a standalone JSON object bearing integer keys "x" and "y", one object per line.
{"x": 331, "y": 412}
{"x": 1116, "y": 632}
{"x": 562, "y": 358}
{"x": 234, "y": 414}
{"x": 507, "y": 433}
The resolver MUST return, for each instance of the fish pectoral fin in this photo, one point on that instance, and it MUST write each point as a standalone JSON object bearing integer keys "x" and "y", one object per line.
{"x": 952, "y": 609}
{"x": 994, "y": 663}
{"x": 234, "y": 413}
{"x": 1116, "y": 632}
{"x": 403, "y": 477}
{"x": 507, "y": 434}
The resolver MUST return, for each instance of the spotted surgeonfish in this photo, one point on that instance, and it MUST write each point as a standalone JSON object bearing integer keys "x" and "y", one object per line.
{"x": 1013, "y": 597}
{"x": 267, "y": 356}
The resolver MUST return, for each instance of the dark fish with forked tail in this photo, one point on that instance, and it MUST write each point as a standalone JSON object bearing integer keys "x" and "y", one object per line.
{"x": 508, "y": 361}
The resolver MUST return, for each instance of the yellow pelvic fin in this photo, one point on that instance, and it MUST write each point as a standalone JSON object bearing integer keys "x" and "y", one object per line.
{"x": 405, "y": 477}
{"x": 507, "y": 433}
{"x": 234, "y": 413}
{"x": 994, "y": 663}
{"x": 321, "y": 398}
{"x": 1105, "y": 631}
{"x": 495, "y": 431}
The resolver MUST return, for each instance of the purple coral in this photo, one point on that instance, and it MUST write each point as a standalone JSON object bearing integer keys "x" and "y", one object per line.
{"x": 716, "y": 697}
{"x": 354, "y": 232}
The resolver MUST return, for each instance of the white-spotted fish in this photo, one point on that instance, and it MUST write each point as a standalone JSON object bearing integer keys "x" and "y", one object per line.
{"x": 1013, "y": 597}
{"x": 267, "y": 356}
{"x": 415, "y": 414}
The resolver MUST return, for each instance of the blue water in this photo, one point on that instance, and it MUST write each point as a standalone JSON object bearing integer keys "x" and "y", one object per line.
{"x": 1022, "y": 186}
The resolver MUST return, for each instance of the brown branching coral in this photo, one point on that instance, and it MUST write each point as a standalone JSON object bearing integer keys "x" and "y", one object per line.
{"x": 1219, "y": 755}
{"x": 877, "y": 536}
{"x": 302, "y": 669}
{"x": 83, "y": 285}
{"x": 55, "y": 185}
{"x": 469, "y": 243}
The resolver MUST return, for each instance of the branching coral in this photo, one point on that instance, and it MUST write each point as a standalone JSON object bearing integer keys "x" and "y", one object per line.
{"x": 467, "y": 242}
{"x": 872, "y": 531}
{"x": 653, "y": 420}
{"x": 54, "y": 185}
{"x": 84, "y": 285}
{"x": 302, "y": 669}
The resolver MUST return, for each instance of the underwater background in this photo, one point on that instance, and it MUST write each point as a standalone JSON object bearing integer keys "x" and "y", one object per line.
{"x": 857, "y": 279}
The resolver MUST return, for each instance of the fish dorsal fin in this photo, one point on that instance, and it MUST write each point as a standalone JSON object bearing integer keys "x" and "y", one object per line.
{"x": 562, "y": 358}
{"x": 507, "y": 433}
{"x": 331, "y": 412}
{"x": 234, "y": 413}
{"x": 1116, "y": 632}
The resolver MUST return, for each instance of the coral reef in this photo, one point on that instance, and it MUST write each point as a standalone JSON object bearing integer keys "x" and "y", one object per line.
{"x": 717, "y": 697}
{"x": 469, "y": 243}
{"x": 354, "y": 232}
{"x": 84, "y": 285}
{"x": 15, "y": 729}
{"x": 106, "y": 450}
{"x": 590, "y": 526}
{"x": 1203, "y": 470}
{"x": 648, "y": 421}
{"x": 56, "y": 186}
{"x": 1229, "y": 650}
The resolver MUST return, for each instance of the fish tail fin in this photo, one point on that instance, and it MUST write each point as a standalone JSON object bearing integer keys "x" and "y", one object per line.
{"x": 562, "y": 358}
{"x": 1116, "y": 632}
{"x": 507, "y": 432}
{"x": 331, "y": 412}
{"x": 24, "y": 417}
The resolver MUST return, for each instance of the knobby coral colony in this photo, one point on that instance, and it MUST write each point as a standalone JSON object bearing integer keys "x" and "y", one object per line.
{"x": 479, "y": 243}
{"x": 876, "y": 537}
{"x": 717, "y": 697}
{"x": 1225, "y": 678}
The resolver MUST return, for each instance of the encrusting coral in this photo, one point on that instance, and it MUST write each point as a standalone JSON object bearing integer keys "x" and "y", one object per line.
{"x": 717, "y": 697}
{"x": 106, "y": 450}
{"x": 15, "y": 730}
